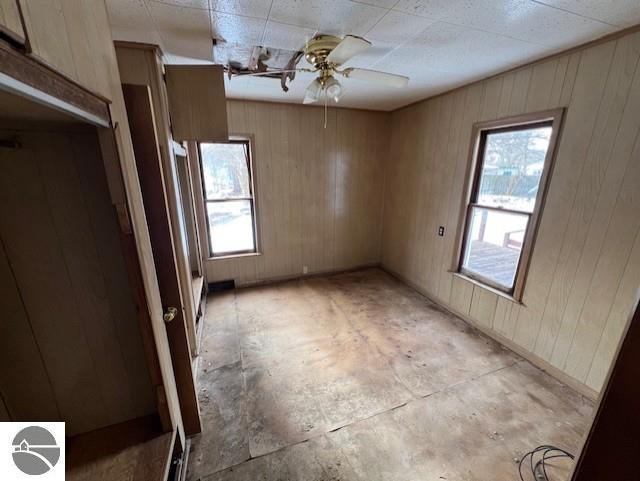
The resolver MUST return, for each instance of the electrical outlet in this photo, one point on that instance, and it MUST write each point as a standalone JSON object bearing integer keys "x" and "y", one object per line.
{"x": 441, "y": 231}
{"x": 305, "y": 269}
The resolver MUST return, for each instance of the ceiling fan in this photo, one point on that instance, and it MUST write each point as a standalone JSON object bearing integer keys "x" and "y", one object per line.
{"x": 327, "y": 53}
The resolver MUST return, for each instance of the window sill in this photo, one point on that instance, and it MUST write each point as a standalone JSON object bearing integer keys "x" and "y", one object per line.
{"x": 234, "y": 256}
{"x": 488, "y": 288}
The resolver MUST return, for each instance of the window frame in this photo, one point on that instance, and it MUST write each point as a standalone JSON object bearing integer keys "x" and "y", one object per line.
{"x": 247, "y": 141}
{"x": 480, "y": 131}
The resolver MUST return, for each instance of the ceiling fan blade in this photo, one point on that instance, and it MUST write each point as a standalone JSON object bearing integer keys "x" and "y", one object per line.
{"x": 267, "y": 72}
{"x": 383, "y": 78}
{"x": 348, "y": 48}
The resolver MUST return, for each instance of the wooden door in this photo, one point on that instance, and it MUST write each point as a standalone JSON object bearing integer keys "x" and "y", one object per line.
{"x": 149, "y": 164}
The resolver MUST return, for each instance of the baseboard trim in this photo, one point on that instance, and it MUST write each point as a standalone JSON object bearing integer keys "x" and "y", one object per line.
{"x": 537, "y": 361}
{"x": 311, "y": 275}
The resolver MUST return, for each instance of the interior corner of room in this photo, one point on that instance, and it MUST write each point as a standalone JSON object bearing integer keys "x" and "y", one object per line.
{"x": 355, "y": 240}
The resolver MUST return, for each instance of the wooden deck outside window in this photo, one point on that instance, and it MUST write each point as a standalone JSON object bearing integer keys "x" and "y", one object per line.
{"x": 510, "y": 169}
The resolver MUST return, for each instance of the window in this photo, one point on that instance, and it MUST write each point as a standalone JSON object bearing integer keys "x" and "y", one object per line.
{"x": 228, "y": 196}
{"x": 512, "y": 161}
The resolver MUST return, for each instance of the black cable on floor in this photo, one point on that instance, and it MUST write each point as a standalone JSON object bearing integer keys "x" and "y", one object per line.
{"x": 539, "y": 467}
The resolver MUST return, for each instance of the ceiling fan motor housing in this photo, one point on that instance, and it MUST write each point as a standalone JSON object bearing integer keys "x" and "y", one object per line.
{"x": 318, "y": 48}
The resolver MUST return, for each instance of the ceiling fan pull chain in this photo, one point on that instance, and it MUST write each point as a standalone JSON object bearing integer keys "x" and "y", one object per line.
{"x": 325, "y": 111}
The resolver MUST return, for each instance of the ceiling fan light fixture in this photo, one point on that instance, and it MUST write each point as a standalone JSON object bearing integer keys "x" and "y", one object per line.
{"x": 312, "y": 94}
{"x": 327, "y": 54}
{"x": 333, "y": 89}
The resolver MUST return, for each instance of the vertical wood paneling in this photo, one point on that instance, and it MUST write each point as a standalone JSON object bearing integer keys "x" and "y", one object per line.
{"x": 570, "y": 78}
{"x": 613, "y": 257}
{"x": 578, "y": 128}
{"x": 441, "y": 261}
{"x": 600, "y": 180}
{"x": 428, "y": 174}
{"x": 483, "y": 306}
{"x": 71, "y": 220}
{"x": 19, "y": 348}
{"x": 584, "y": 269}
{"x": 71, "y": 37}
{"x": 10, "y": 21}
{"x": 62, "y": 251}
{"x": 44, "y": 282}
{"x": 318, "y": 191}
{"x": 491, "y": 100}
{"x": 623, "y": 304}
{"x": 461, "y": 295}
{"x": 361, "y": 146}
{"x": 122, "y": 310}
{"x": 318, "y": 185}
{"x": 470, "y": 110}
{"x": 508, "y": 82}
{"x": 541, "y": 85}
{"x": 520, "y": 90}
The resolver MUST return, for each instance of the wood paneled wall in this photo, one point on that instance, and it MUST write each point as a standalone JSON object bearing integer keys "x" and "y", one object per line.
{"x": 585, "y": 268}
{"x": 70, "y": 36}
{"x": 319, "y": 192}
{"x": 70, "y": 344}
{"x": 75, "y": 38}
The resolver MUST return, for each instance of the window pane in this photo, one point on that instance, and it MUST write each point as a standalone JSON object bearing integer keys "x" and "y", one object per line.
{"x": 225, "y": 171}
{"x": 512, "y": 167}
{"x": 494, "y": 241}
{"x": 230, "y": 226}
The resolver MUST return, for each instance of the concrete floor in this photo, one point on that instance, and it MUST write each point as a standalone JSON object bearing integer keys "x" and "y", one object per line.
{"x": 357, "y": 377}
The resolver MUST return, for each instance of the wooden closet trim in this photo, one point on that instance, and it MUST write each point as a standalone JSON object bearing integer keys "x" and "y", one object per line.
{"x": 27, "y": 77}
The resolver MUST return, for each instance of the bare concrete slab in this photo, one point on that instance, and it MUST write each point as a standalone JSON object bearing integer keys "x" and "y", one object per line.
{"x": 356, "y": 376}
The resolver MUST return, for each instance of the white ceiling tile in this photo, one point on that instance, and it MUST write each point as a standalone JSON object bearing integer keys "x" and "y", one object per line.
{"x": 346, "y": 17}
{"x": 617, "y": 12}
{"x": 338, "y": 17}
{"x": 521, "y": 19}
{"x": 396, "y": 28}
{"x": 236, "y": 87}
{"x": 434, "y": 9}
{"x": 172, "y": 59}
{"x": 179, "y": 20}
{"x": 288, "y": 37}
{"x": 201, "y": 4}
{"x": 439, "y": 44}
{"x": 378, "y": 3}
{"x": 303, "y": 13}
{"x": 130, "y": 21}
{"x": 196, "y": 48}
{"x": 184, "y": 31}
{"x": 269, "y": 89}
{"x": 128, "y": 14}
{"x": 237, "y": 29}
{"x": 451, "y": 48}
{"x": 248, "y": 8}
{"x": 530, "y": 21}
